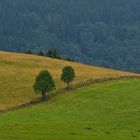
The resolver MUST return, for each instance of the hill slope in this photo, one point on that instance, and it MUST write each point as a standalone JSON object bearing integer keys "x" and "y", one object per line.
{"x": 108, "y": 111}
{"x": 18, "y": 72}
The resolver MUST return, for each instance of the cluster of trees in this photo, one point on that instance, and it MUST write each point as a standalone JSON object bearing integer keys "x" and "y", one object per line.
{"x": 54, "y": 53}
{"x": 44, "y": 81}
{"x": 99, "y": 32}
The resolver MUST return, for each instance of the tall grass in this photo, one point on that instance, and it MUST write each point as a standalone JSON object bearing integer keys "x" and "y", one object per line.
{"x": 18, "y": 72}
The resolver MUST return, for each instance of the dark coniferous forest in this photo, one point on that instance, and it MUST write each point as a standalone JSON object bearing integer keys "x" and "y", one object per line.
{"x": 99, "y": 32}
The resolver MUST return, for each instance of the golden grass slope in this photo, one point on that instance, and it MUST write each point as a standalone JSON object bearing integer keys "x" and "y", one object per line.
{"x": 18, "y": 72}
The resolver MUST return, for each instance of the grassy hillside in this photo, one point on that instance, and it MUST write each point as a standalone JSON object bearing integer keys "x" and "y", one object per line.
{"x": 108, "y": 111}
{"x": 18, "y": 71}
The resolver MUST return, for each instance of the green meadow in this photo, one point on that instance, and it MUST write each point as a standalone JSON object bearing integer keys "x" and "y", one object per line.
{"x": 105, "y": 111}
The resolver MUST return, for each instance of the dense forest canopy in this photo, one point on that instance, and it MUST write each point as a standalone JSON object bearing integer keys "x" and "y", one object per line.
{"x": 99, "y": 32}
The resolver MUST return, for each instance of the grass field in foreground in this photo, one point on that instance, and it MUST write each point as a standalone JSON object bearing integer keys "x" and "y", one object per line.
{"x": 107, "y": 111}
{"x": 18, "y": 72}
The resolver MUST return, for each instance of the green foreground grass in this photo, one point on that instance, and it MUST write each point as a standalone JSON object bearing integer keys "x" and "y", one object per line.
{"x": 107, "y": 111}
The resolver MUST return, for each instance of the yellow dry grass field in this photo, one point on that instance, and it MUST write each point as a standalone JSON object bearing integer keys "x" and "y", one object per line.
{"x": 18, "y": 72}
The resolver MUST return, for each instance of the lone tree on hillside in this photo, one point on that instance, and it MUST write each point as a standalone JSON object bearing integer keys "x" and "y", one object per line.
{"x": 44, "y": 83}
{"x": 68, "y": 75}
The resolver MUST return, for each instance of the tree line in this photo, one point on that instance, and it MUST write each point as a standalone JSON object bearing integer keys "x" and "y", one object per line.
{"x": 44, "y": 81}
{"x": 52, "y": 53}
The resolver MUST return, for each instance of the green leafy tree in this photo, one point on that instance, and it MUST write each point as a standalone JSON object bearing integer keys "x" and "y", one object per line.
{"x": 28, "y": 51}
{"x": 53, "y": 53}
{"x": 49, "y": 53}
{"x": 68, "y": 75}
{"x": 44, "y": 83}
{"x": 41, "y": 53}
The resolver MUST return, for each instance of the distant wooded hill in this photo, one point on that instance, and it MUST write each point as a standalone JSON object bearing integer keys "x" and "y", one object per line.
{"x": 99, "y": 32}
